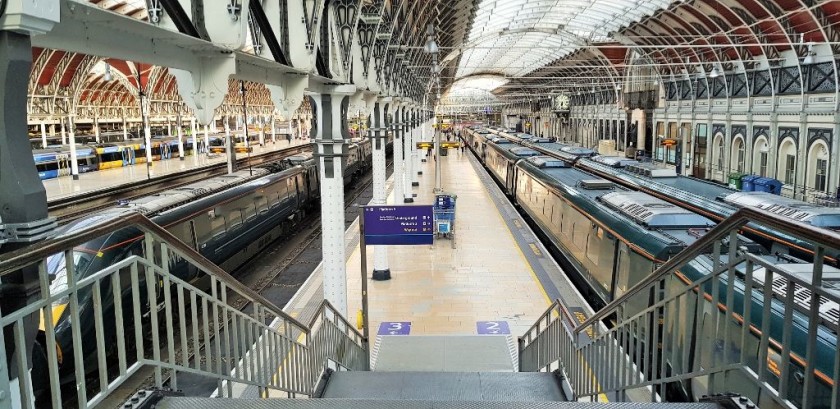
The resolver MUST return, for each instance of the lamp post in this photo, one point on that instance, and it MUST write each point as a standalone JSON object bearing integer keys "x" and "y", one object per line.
{"x": 245, "y": 126}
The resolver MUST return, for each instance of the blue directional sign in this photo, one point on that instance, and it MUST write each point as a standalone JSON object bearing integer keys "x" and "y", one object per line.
{"x": 492, "y": 327}
{"x": 399, "y": 225}
{"x": 394, "y": 328}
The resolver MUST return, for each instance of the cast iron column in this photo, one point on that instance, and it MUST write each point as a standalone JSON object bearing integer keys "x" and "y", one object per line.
{"x": 379, "y": 137}
{"x": 330, "y": 110}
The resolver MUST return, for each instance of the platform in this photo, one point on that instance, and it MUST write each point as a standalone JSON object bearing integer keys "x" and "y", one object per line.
{"x": 497, "y": 280}
{"x": 65, "y": 186}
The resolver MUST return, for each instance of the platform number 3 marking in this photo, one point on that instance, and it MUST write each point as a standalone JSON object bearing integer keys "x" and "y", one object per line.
{"x": 394, "y": 328}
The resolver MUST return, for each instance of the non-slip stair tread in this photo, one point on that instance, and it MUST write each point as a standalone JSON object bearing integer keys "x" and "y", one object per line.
{"x": 215, "y": 403}
{"x": 440, "y": 386}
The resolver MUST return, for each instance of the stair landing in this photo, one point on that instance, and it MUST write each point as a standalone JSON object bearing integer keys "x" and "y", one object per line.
{"x": 445, "y": 386}
{"x": 211, "y": 403}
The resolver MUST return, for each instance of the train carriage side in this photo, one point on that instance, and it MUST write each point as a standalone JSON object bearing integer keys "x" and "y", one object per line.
{"x": 599, "y": 245}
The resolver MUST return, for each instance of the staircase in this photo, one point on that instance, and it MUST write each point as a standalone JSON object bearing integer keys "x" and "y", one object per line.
{"x": 427, "y": 372}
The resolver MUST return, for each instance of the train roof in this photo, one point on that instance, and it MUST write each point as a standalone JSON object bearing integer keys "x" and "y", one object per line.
{"x": 829, "y": 311}
{"x": 815, "y": 215}
{"x": 654, "y": 212}
{"x": 572, "y": 184}
{"x": 614, "y": 161}
{"x": 162, "y": 201}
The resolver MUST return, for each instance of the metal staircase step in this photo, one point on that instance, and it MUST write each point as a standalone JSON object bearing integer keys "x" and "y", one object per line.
{"x": 445, "y": 386}
{"x": 214, "y": 403}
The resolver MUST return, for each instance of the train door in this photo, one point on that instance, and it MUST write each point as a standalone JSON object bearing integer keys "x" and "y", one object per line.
{"x": 128, "y": 155}
{"x": 511, "y": 178}
{"x": 63, "y": 162}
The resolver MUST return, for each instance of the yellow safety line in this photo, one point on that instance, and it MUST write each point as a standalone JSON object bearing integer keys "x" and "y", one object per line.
{"x": 601, "y": 397}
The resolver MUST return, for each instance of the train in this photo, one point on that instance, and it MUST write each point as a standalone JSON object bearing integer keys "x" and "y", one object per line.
{"x": 228, "y": 219}
{"x": 701, "y": 196}
{"x": 608, "y": 237}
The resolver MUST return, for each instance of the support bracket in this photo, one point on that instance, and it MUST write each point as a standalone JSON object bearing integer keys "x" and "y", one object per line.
{"x": 204, "y": 88}
{"x": 287, "y": 97}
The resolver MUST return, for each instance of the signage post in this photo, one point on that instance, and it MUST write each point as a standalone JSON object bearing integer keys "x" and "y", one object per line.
{"x": 391, "y": 225}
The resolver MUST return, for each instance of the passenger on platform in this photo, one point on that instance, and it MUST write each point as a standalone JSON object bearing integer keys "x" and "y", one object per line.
{"x": 289, "y": 138}
{"x": 429, "y": 152}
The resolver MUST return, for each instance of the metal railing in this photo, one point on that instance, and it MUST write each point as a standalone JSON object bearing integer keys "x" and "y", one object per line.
{"x": 751, "y": 324}
{"x": 173, "y": 312}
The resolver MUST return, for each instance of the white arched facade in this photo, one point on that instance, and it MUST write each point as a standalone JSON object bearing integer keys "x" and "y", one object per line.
{"x": 817, "y": 167}
{"x": 738, "y": 154}
{"x": 761, "y": 156}
{"x": 786, "y": 165}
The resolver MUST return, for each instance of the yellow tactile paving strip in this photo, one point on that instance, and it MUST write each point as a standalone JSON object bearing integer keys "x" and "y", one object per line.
{"x": 441, "y": 290}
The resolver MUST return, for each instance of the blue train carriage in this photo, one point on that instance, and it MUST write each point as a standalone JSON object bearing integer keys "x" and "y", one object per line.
{"x": 228, "y": 219}
{"x": 51, "y": 163}
{"x": 708, "y": 199}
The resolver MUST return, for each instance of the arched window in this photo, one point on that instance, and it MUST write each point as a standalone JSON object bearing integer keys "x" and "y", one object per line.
{"x": 818, "y": 166}
{"x": 736, "y": 159}
{"x": 787, "y": 162}
{"x": 761, "y": 151}
{"x": 717, "y": 153}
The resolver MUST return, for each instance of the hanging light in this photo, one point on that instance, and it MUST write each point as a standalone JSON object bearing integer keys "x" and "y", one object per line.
{"x": 108, "y": 76}
{"x": 714, "y": 73}
{"x": 431, "y": 46}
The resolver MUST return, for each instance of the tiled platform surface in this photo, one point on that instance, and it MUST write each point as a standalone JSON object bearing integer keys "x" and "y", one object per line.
{"x": 65, "y": 186}
{"x": 446, "y": 291}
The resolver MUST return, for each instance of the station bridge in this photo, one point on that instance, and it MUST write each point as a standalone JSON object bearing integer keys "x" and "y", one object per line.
{"x": 419, "y": 204}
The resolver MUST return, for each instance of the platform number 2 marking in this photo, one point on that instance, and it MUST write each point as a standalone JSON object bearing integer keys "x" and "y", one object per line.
{"x": 492, "y": 327}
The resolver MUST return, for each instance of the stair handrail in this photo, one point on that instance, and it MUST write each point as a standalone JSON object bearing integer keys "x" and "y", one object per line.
{"x": 20, "y": 258}
{"x": 826, "y": 237}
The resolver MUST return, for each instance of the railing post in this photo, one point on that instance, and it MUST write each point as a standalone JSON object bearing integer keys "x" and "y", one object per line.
{"x": 813, "y": 316}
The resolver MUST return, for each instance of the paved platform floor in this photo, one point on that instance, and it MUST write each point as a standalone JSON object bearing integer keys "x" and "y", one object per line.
{"x": 442, "y": 290}
{"x": 92, "y": 181}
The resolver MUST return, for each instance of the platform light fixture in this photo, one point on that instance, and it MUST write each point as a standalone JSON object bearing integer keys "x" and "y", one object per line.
{"x": 714, "y": 73}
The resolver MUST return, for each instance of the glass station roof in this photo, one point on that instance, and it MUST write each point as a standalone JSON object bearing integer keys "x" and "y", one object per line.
{"x": 516, "y": 37}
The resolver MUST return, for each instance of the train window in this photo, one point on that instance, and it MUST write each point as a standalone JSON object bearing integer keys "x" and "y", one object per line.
{"x": 218, "y": 222}
{"x": 249, "y": 210}
{"x": 261, "y": 204}
{"x": 234, "y": 219}
{"x": 183, "y": 232}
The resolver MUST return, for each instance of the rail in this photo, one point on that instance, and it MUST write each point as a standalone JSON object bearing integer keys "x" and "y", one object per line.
{"x": 753, "y": 324}
{"x": 160, "y": 305}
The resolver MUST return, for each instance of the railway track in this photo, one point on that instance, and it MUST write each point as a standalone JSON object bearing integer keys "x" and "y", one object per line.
{"x": 69, "y": 208}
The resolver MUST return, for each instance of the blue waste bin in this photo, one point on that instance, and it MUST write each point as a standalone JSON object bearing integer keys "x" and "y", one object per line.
{"x": 768, "y": 185}
{"x": 748, "y": 183}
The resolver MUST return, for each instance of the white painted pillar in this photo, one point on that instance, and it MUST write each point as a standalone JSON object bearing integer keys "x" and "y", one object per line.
{"x": 63, "y": 133}
{"x": 274, "y": 130}
{"x": 74, "y": 158}
{"x": 206, "y": 140}
{"x": 193, "y": 131}
{"x": 125, "y": 130}
{"x": 180, "y": 140}
{"x": 229, "y": 150}
{"x": 415, "y": 157}
{"x": 168, "y": 127}
{"x": 262, "y": 132}
{"x": 43, "y": 134}
{"x": 96, "y": 129}
{"x": 329, "y": 129}
{"x": 396, "y": 128}
{"x": 407, "y": 164}
{"x": 379, "y": 133}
